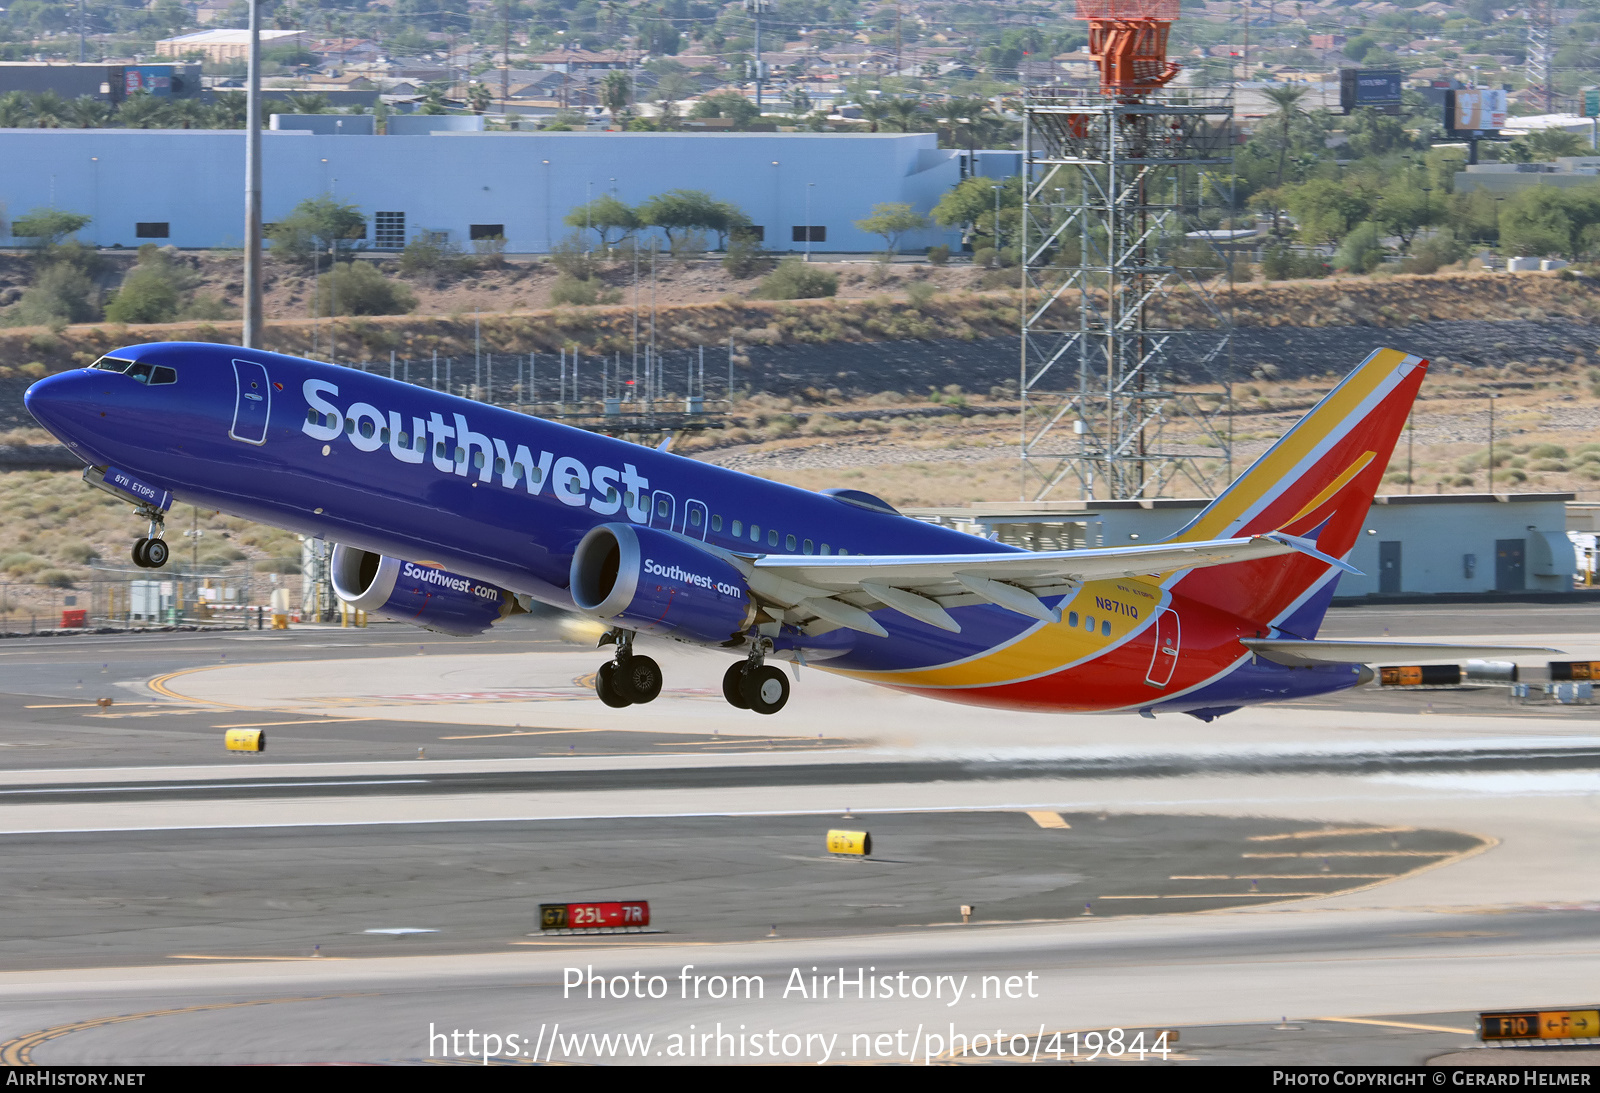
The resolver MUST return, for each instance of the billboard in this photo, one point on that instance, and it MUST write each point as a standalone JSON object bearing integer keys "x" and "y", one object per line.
{"x": 1476, "y": 111}
{"x": 1377, "y": 87}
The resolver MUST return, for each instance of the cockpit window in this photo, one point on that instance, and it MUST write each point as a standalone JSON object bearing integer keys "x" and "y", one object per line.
{"x": 150, "y": 374}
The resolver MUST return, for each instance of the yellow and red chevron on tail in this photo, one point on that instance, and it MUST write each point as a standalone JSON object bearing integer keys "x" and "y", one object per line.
{"x": 1318, "y": 482}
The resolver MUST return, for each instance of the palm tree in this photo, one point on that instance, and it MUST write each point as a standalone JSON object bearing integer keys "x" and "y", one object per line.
{"x": 88, "y": 112}
{"x": 49, "y": 110}
{"x": 14, "y": 112}
{"x": 315, "y": 103}
{"x": 904, "y": 114}
{"x": 799, "y": 102}
{"x": 1287, "y": 100}
{"x": 969, "y": 121}
{"x": 142, "y": 110}
{"x": 872, "y": 111}
{"x": 188, "y": 114}
{"x": 479, "y": 97}
{"x": 229, "y": 110}
{"x": 615, "y": 91}
{"x": 671, "y": 89}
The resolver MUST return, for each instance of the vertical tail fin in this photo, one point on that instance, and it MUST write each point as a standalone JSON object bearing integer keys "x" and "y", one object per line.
{"x": 1318, "y": 482}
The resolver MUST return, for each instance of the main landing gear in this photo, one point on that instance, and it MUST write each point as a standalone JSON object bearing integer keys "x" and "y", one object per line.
{"x": 630, "y": 678}
{"x": 754, "y": 684}
{"x": 151, "y": 551}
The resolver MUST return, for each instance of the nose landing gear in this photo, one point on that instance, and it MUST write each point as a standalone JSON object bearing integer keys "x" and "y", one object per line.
{"x": 151, "y": 551}
{"x": 754, "y": 684}
{"x": 630, "y": 678}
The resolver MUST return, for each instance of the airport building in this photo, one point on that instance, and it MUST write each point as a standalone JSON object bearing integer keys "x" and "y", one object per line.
{"x": 1412, "y": 543}
{"x": 185, "y": 187}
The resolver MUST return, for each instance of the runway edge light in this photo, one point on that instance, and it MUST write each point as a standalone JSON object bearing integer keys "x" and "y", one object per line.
{"x": 855, "y": 843}
{"x": 245, "y": 740}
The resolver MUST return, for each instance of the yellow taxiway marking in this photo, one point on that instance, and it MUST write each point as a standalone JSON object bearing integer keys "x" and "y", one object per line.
{"x": 76, "y": 705}
{"x": 1225, "y": 895}
{"x": 1331, "y": 831}
{"x": 519, "y": 732}
{"x": 1353, "y": 854}
{"x": 1049, "y": 819}
{"x": 315, "y": 721}
{"x": 1283, "y": 876}
{"x": 199, "y": 956}
{"x": 19, "y": 1051}
{"x": 159, "y": 686}
{"x": 1396, "y": 1024}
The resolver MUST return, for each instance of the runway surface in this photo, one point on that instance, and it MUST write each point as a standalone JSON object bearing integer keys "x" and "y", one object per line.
{"x": 1374, "y": 867}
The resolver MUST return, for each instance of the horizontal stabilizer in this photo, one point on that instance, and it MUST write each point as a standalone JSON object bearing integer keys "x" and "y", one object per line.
{"x": 1299, "y": 654}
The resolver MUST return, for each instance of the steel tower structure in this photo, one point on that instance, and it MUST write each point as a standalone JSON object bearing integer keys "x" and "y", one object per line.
{"x": 1118, "y": 301}
{"x": 1541, "y": 20}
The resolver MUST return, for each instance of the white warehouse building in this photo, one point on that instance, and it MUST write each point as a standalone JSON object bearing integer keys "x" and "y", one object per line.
{"x": 185, "y": 187}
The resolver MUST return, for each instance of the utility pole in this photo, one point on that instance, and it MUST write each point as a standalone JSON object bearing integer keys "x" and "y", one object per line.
{"x": 755, "y": 8}
{"x": 251, "y": 338}
{"x": 80, "y": 32}
{"x": 505, "y": 62}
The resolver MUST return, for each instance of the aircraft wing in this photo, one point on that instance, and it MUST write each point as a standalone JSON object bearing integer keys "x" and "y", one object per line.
{"x": 822, "y": 593}
{"x": 1302, "y": 653}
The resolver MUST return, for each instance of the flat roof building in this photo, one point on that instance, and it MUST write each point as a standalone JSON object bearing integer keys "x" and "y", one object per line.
{"x": 1410, "y": 544}
{"x": 185, "y": 187}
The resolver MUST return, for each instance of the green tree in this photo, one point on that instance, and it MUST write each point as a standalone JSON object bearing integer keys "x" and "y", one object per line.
{"x": 142, "y": 110}
{"x": 479, "y": 97}
{"x": 1325, "y": 210}
{"x": 316, "y": 226}
{"x": 799, "y": 102}
{"x": 88, "y": 112}
{"x": 359, "y": 288}
{"x": 1373, "y": 134}
{"x": 686, "y": 211}
{"x": 1405, "y": 207}
{"x": 740, "y": 110}
{"x": 972, "y": 204}
{"x": 616, "y": 92}
{"x": 1361, "y": 250}
{"x": 229, "y": 109}
{"x": 60, "y": 294}
{"x": 795, "y": 280}
{"x": 873, "y": 111}
{"x": 604, "y": 215}
{"x": 1287, "y": 100}
{"x": 1545, "y": 145}
{"x": 14, "y": 110}
{"x": 48, "y": 226}
{"x": 905, "y": 114}
{"x": 50, "y": 111}
{"x": 892, "y": 220}
{"x": 1543, "y": 220}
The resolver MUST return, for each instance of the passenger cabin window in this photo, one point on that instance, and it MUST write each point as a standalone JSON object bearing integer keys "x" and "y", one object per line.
{"x": 716, "y": 523}
{"x": 807, "y": 545}
{"x": 789, "y": 543}
{"x": 1105, "y": 627}
{"x": 772, "y": 538}
{"x": 738, "y": 528}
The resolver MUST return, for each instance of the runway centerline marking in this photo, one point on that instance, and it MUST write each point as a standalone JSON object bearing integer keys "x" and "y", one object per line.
{"x": 519, "y": 732}
{"x": 1395, "y": 1024}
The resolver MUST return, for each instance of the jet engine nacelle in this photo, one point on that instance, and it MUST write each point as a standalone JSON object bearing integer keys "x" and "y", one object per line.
{"x": 422, "y": 594}
{"x": 650, "y": 580}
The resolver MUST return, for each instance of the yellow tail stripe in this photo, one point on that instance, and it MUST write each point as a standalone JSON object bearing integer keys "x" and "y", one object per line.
{"x": 1268, "y": 476}
{"x": 1335, "y": 486}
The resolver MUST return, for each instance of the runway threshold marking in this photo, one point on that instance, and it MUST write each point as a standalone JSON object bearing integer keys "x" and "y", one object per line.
{"x": 315, "y": 721}
{"x": 1331, "y": 832}
{"x": 1051, "y": 820}
{"x": 1396, "y": 1024}
{"x": 19, "y": 1051}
